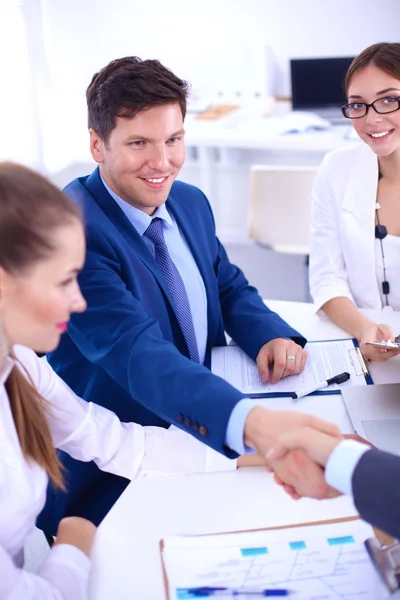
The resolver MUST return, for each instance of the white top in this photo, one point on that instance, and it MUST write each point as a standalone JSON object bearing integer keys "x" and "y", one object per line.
{"x": 342, "y": 464}
{"x": 342, "y": 242}
{"x": 391, "y": 251}
{"x": 87, "y": 432}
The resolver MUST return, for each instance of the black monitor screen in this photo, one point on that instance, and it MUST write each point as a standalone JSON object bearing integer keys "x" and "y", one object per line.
{"x": 318, "y": 82}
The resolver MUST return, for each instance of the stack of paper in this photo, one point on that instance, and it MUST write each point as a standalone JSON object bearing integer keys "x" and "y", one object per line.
{"x": 325, "y": 360}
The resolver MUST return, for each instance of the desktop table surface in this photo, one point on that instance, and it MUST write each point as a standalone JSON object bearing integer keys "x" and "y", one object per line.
{"x": 247, "y": 130}
{"x": 126, "y": 556}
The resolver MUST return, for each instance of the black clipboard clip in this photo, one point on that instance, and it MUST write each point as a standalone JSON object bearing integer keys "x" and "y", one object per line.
{"x": 386, "y": 560}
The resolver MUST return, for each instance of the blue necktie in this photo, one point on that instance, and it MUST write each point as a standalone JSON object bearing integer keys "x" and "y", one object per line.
{"x": 175, "y": 284}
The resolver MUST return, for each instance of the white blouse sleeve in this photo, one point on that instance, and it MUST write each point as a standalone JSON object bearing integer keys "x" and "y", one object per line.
{"x": 88, "y": 432}
{"x": 64, "y": 574}
{"x": 328, "y": 274}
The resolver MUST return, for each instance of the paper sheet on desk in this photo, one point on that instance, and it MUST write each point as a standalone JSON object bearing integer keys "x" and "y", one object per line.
{"x": 325, "y": 360}
{"x": 326, "y": 561}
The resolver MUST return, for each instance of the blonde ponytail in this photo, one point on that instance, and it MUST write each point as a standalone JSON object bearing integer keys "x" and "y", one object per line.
{"x": 29, "y": 412}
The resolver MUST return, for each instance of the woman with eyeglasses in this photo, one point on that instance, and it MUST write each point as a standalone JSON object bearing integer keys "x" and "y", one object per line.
{"x": 355, "y": 232}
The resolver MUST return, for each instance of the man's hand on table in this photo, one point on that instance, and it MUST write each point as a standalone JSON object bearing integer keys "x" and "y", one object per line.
{"x": 296, "y": 471}
{"x": 285, "y": 356}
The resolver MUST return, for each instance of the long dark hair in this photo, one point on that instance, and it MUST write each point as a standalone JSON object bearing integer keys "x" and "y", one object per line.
{"x": 31, "y": 209}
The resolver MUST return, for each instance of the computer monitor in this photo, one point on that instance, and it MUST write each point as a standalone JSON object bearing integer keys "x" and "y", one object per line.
{"x": 318, "y": 82}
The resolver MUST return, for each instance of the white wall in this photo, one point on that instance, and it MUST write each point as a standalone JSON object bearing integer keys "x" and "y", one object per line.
{"x": 218, "y": 45}
{"x": 203, "y": 40}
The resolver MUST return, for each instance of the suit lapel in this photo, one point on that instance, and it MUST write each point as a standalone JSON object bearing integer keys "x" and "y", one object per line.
{"x": 96, "y": 189}
{"x": 358, "y": 215}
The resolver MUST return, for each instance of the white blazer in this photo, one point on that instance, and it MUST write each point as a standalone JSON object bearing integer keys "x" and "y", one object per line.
{"x": 342, "y": 246}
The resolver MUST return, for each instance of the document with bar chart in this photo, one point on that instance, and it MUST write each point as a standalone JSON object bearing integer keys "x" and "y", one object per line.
{"x": 322, "y": 561}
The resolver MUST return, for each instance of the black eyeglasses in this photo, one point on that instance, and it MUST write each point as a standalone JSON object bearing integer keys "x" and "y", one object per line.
{"x": 356, "y": 110}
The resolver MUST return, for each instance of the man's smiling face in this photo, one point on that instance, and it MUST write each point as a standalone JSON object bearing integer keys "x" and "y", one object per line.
{"x": 143, "y": 155}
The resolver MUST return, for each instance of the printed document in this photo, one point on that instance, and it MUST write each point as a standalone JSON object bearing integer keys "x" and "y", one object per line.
{"x": 325, "y": 360}
{"x": 314, "y": 562}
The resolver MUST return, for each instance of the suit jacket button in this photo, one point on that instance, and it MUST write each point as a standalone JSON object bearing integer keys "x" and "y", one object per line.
{"x": 196, "y": 426}
{"x": 180, "y": 418}
{"x": 188, "y": 422}
{"x": 203, "y": 430}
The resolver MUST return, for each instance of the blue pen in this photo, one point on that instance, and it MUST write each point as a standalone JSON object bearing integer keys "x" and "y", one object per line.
{"x": 230, "y": 592}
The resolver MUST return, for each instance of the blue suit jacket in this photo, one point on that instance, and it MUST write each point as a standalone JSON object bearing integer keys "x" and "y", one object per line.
{"x": 127, "y": 351}
{"x": 376, "y": 490}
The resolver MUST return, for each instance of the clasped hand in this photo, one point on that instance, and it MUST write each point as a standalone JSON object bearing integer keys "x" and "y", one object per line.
{"x": 300, "y": 474}
{"x": 295, "y": 480}
{"x": 318, "y": 446}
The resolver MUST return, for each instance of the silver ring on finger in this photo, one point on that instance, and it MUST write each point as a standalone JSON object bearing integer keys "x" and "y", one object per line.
{"x": 290, "y": 357}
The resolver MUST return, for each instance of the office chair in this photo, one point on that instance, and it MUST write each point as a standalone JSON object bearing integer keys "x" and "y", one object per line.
{"x": 280, "y": 207}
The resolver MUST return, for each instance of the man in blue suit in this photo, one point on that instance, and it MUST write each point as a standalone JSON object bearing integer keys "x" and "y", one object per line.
{"x": 160, "y": 291}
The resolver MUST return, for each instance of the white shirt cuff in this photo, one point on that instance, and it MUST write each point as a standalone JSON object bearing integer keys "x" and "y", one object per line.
{"x": 68, "y": 554}
{"x": 342, "y": 463}
{"x": 66, "y": 568}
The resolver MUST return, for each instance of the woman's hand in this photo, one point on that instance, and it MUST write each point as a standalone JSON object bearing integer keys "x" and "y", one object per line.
{"x": 377, "y": 333}
{"x": 77, "y": 532}
{"x": 250, "y": 460}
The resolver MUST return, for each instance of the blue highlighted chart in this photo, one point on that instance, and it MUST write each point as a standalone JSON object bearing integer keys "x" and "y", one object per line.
{"x": 339, "y": 541}
{"x": 298, "y": 545}
{"x": 326, "y": 561}
{"x": 253, "y": 551}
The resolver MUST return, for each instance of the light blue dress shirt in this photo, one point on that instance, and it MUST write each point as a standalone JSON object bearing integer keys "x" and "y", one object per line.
{"x": 342, "y": 463}
{"x": 188, "y": 270}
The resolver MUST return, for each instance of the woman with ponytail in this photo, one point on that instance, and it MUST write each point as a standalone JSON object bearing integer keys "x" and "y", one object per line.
{"x": 42, "y": 249}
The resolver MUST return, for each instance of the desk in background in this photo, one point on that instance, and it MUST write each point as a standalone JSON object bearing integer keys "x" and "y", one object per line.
{"x": 126, "y": 558}
{"x": 221, "y": 152}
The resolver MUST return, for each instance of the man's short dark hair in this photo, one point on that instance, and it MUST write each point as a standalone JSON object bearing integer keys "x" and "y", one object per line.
{"x": 126, "y": 86}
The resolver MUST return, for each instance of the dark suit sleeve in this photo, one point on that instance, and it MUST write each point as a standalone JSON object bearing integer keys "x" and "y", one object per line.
{"x": 116, "y": 334}
{"x": 376, "y": 490}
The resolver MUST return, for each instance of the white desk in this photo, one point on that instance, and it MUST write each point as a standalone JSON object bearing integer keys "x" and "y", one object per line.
{"x": 126, "y": 561}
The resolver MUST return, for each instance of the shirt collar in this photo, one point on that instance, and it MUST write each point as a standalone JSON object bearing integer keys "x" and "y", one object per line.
{"x": 138, "y": 218}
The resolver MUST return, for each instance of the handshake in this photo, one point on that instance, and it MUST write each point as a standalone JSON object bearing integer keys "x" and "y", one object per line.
{"x": 295, "y": 447}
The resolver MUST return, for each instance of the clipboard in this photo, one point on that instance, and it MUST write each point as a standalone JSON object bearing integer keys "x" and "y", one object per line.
{"x": 357, "y": 360}
{"x": 221, "y": 366}
{"x": 383, "y": 537}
